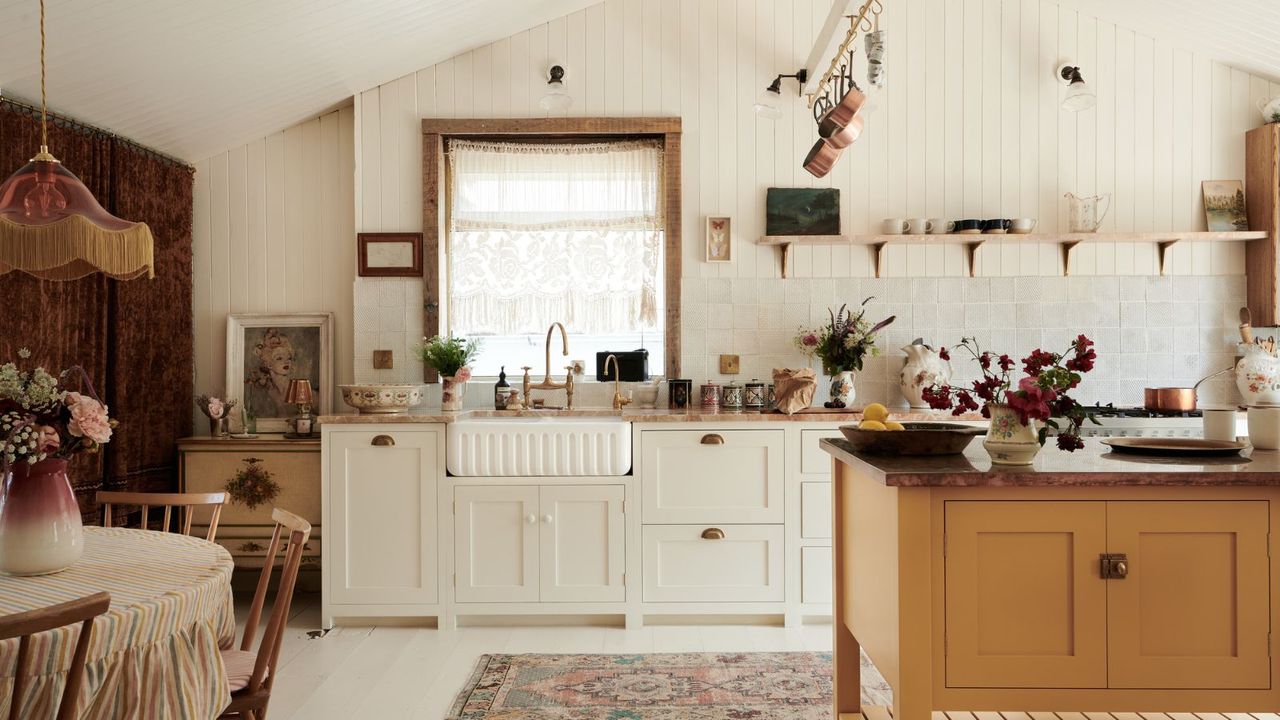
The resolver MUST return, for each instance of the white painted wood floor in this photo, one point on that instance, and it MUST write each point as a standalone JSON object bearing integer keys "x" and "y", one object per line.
{"x": 389, "y": 673}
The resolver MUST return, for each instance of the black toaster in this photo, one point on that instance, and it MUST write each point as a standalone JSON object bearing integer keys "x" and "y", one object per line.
{"x": 633, "y": 366}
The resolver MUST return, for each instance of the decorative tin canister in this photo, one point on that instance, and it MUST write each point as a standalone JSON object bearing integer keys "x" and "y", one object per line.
{"x": 678, "y": 392}
{"x": 711, "y": 395}
{"x": 770, "y": 401}
{"x": 731, "y": 397}
{"x": 756, "y": 395}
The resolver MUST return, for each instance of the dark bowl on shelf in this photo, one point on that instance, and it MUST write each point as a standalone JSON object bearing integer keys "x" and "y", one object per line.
{"x": 917, "y": 438}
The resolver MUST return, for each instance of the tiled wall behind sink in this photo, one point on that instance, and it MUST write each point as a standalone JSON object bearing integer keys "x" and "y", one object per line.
{"x": 1149, "y": 330}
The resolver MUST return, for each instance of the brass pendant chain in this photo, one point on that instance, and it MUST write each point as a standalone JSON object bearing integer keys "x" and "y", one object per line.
{"x": 44, "y": 112}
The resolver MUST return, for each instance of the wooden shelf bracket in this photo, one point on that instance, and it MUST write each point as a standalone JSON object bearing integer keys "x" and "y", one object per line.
{"x": 971, "y": 249}
{"x": 1066, "y": 248}
{"x": 879, "y": 251}
{"x": 1164, "y": 246}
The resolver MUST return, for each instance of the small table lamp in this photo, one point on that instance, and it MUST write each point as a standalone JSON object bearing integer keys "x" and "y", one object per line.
{"x": 300, "y": 394}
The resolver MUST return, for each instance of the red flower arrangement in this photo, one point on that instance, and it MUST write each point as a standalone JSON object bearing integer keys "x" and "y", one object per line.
{"x": 1041, "y": 394}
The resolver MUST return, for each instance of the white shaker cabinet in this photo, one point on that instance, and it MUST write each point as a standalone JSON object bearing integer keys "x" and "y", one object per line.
{"x": 380, "y": 499}
{"x": 495, "y": 541}
{"x": 582, "y": 543}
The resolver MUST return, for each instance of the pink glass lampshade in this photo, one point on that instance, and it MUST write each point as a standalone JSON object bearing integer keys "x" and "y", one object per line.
{"x": 52, "y": 227}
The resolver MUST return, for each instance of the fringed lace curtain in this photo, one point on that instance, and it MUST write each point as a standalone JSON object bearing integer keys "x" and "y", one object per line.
{"x": 554, "y": 231}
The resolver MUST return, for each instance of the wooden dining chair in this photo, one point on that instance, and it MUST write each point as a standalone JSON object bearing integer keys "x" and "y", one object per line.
{"x": 24, "y": 625}
{"x": 250, "y": 674}
{"x": 186, "y": 501}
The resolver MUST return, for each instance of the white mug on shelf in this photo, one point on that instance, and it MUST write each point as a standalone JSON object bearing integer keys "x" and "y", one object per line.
{"x": 938, "y": 226}
{"x": 893, "y": 226}
{"x": 919, "y": 226}
{"x": 1022, "y": 226}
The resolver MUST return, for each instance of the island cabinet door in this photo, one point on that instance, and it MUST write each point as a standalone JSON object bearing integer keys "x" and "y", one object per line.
{"x": 583, "y": 543}
{"x": 1192, "y": 610}
{"x": 1025, "y": 606}
{"x": 496, "y": 543}
{"x": 382, "y": 507}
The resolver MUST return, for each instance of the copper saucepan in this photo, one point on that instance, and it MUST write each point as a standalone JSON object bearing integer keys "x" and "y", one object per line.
{"x": 1174, "y": 399}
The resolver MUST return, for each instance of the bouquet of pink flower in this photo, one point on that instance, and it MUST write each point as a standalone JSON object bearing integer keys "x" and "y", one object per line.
{"x": 40, "y": 420}
{"x": 1041, "y": 394}
{"x": 214, "y": 408}
{"x": 844, "y": 342}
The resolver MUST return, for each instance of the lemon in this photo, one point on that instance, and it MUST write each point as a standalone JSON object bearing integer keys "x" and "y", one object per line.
{"x": 871, "y": 425}
{"x": 875, "y": 412}
{"x": 892, "y": 425}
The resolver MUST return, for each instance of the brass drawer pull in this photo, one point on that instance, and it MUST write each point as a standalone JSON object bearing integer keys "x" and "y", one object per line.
{"x": 713, "y": 534}
{"x": 383, "y": 441}
{"x": 1115, "y": 566}
{"x": 712, "y": 439}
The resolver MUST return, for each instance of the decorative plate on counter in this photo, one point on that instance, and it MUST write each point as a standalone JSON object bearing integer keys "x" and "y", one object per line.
{"x": 916, "y": 438}
{"x": 1175, "y": 446}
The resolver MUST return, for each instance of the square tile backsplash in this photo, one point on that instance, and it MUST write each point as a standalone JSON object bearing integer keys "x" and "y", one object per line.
{"x": 1149, "y": 330}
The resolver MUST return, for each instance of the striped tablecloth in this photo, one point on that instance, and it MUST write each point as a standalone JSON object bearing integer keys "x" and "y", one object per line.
{"x": 155, "y": 653}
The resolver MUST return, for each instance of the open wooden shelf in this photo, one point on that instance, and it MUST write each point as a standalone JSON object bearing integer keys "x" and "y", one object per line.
{"x": 1066, "y": 241}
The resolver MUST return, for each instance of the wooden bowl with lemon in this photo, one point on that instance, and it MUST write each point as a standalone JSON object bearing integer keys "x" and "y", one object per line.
{"x": 878, "y": 434}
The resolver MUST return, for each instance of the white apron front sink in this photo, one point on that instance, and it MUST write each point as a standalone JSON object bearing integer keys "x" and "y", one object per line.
{"x": 539, "y": 447}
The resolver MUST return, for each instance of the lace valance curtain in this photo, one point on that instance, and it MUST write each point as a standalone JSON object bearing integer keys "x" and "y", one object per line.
{"x": 554, "y": 231}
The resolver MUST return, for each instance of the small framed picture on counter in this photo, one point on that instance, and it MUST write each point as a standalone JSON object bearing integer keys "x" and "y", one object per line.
{"x": 719, "y": 239}
{"x": 390, "y": 254}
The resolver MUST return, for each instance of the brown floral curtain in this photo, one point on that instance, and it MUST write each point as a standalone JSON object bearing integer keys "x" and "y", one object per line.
{"x": 133, "y": 338}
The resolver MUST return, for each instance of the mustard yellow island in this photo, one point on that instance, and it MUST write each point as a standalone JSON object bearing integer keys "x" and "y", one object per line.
{"x": 1088, "y": 582}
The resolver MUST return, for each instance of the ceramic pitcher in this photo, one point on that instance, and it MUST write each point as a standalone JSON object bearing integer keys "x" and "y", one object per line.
{"x": 1258, "y": 376}
{"x": 1082, "y": 212}
{"x": 924, "y": 368}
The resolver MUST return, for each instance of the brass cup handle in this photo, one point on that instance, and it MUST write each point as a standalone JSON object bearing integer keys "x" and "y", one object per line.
{"x": 712, "y": 439}
{"x": 383, "y": 441}
{"x": 713, "y": 534}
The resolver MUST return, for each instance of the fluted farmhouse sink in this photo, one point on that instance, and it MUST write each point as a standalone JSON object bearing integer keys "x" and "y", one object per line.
{"x": 539, "y": 447}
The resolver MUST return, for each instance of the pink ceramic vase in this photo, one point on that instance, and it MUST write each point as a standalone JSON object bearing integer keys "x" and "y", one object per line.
{"x": 40, "y": 529}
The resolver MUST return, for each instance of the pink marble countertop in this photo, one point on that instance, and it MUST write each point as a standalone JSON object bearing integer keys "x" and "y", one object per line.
{"x": 1094, "y": 465}
{"x": 639, "y": 415}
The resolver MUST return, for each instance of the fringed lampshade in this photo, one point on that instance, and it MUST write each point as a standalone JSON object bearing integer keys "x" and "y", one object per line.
{"x": 52, "y": 227}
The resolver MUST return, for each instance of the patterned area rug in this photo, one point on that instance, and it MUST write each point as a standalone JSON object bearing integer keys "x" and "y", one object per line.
{"x": 677, "y": 686}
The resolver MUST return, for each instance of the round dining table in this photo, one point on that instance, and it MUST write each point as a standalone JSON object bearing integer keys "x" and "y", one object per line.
{"x": 155, "y": 653}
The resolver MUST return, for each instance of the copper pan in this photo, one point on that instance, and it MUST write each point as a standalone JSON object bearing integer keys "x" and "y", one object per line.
{"x": 1174, "y": 399}
{"x": 840, "y": 137}
{"x": 821, "y": 158}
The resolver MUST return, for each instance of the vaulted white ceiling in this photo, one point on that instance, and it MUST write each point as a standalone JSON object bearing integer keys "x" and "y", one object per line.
{"x": 195, "y": 77}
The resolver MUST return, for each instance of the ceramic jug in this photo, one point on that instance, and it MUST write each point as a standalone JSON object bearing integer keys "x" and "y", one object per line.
{"x": 1258, "y": 376}
{"x": 1082, "y": 212}
{"x": 924, "y": 368}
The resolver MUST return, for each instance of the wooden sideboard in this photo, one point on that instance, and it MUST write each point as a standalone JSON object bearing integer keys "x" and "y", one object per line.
{"x": 206, "y": 464}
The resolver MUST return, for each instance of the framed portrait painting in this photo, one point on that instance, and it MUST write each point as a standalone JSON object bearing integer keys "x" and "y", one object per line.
{"x": 267, "y": 350}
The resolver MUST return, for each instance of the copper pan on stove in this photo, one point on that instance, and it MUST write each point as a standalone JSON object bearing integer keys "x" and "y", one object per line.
{"x": 1174, "y": 399}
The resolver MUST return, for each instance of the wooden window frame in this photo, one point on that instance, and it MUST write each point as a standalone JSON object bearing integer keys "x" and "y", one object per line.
{"x": 436, "y": 131}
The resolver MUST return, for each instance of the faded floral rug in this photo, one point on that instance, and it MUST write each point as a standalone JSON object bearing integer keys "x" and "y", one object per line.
{"x": 675, "y": 686}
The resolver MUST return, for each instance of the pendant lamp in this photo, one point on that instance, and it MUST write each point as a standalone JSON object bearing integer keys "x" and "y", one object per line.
{"x": 52, "y": 227}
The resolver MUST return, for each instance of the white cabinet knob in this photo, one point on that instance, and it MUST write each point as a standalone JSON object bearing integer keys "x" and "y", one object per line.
{"x": 547, "y": 519}
{"x": 531, "y": 518}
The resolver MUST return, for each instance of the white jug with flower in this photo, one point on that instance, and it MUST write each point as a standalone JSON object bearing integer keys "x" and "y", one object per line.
{"x": 924, "y": 367}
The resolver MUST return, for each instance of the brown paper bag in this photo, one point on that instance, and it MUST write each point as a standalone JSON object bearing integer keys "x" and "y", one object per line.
{"x": 793, "y": 389}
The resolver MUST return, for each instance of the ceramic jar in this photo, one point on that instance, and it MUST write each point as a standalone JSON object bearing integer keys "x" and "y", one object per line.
{"x": 1258, "y": 376}
{"x": 924, "y": 368}
{"x": 40, "y": 529}
{"x": 1009, "y": 442}
{"x": 842, "y": 388}
{"x": 678, "y": 392}
{"x": 647, "y": 394}
{"x": 451, "y": 393}
{"x": 711, "y": 396}
{"x": 731, "y": 397}
{"x": 756, "y": 395}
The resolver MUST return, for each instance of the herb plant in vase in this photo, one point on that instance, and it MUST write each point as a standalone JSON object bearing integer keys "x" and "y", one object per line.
{"x": 42, "y": 425}
{"x": 450, "y": 357}
{"x": 1022, "y": 410}
{"x": 841, "y": 345}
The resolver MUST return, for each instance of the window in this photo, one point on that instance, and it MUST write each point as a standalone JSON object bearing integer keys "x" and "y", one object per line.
{"x": 547, "y": 231}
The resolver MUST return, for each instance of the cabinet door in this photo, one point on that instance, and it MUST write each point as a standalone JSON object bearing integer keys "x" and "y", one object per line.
{"x": 1193, "y": 610}
{"x": 1026, "y": 606}
{"x": 712, "y": 476}
{"x": 694, "y": 563}
{"x": 582, "y": 543}
{"x": 382, "y": 506}
{"x": 496, "y": 543}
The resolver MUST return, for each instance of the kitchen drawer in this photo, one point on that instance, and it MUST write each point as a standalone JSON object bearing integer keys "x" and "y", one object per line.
{"x": 683, "y": 564}
{"x": 815, "y": 510}
{"x": 712, "y": 477}
{"x": 815, "y": 575}
{"x": 813, "y": 459}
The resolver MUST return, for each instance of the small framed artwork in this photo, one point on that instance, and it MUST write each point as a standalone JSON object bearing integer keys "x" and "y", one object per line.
{"x": 390, "y": 254}
{"x": 802, "y": 211}
{"x": 265, "y": 351}
{"x": 1224, "y": 205}
{"x": 719, "y": 239}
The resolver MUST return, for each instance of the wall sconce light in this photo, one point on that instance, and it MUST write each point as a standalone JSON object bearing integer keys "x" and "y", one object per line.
{"x": 769, "y": 103}
{"x": 1078, "y": 96}
{"x": 556, "y": 99}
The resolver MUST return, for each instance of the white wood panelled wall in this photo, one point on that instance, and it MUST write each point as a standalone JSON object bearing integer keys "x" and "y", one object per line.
{"x": 969, "y": 125}
{"x": 275, "y": 232}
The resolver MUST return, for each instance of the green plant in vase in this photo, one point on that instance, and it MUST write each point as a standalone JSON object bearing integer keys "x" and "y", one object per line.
{"x": 451, "y": 357}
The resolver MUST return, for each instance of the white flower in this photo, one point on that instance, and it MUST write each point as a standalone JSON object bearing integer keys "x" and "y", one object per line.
{"x": 24, "y": 353}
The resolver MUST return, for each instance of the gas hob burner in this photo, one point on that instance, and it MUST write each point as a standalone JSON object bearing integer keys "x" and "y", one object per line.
{"x": 1111, "y": 411}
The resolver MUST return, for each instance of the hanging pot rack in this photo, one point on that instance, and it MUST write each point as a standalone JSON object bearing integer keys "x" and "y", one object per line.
{"x": 867, "y": 19}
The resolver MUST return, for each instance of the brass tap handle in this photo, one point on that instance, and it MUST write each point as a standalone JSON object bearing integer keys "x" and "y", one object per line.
{"x": 568, "y": 388}
{"x": 526, "y": 384}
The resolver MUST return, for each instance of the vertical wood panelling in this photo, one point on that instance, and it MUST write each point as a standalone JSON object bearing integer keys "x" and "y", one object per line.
{"x": 274, "y": 231}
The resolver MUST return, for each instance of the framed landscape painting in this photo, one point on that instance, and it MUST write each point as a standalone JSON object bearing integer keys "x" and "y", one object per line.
{"x": 1224, "y": 205}
{"x": 267, "y": 350}
{"x": 802, "y": 211}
